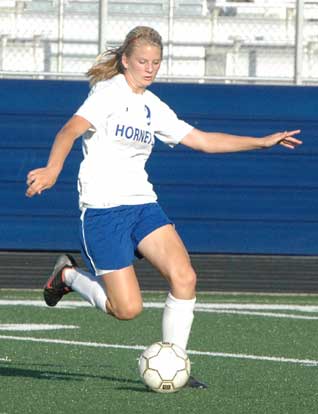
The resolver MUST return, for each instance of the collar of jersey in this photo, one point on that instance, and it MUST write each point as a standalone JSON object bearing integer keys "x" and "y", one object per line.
{"x": 122, "y": 82}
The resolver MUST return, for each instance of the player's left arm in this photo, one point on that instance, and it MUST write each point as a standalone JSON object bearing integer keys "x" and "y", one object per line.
{"x": 217, "y": 142}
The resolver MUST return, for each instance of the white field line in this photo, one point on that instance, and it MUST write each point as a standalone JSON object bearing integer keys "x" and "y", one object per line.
{"x": 251, "y": 309}
{"x": 6, "y": 359}
{"x": 33, "y": 327}
{"x": 236, "y": 306}
{"x": 263, "y": 314}
{"x": 39, "y": 303}
{"x": 244, "y": 306}
{"x": 307, "y": 362}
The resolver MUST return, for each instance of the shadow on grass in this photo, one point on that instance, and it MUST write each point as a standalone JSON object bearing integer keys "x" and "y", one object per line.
{"x": 59, "y": 376}
{"x": 142, "y": 388}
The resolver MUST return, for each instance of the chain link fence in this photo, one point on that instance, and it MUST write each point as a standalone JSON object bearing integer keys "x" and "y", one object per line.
{"x": 251, "y": 41}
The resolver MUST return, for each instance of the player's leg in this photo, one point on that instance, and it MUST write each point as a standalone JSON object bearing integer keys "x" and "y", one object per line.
{"x": 123, "y": 299}
{"x": 164, "y": 249}
{"x": 67, "y": 277}
{"x": 106, "y": 244}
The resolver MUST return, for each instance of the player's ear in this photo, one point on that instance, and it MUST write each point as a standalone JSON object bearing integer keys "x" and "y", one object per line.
{"x": 124, "y": 61}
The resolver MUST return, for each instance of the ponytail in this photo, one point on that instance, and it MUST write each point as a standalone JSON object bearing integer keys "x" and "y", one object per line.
{"x": 107, "y": 65}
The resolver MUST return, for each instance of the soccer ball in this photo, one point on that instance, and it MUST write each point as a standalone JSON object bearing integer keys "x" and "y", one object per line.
{"x": 164, "y": 367}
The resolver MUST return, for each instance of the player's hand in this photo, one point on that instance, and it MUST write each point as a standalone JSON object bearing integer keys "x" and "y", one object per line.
{"x": 39, "y": 180}
{"x": 286, "y": 139}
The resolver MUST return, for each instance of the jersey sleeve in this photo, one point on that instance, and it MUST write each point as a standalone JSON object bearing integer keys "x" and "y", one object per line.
{"x": 97, "y": 106}
{"x": 168, "y": 127}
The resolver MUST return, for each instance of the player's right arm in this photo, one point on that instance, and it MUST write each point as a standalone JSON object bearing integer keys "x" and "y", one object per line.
{"x": 44, "y": 178}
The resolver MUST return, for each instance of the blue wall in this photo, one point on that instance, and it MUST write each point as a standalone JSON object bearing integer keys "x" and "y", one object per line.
{"x": 262, "y": 202}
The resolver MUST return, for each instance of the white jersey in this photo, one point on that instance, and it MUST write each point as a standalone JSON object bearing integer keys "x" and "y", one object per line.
{"x": 116, "y": 149}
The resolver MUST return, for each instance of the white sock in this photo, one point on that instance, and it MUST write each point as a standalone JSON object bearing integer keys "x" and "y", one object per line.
{"x": 177, "y": 320}
{"x": 88, "y": 286}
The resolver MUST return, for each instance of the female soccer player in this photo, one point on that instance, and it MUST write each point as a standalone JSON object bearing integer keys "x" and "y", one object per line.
{"x": 120, "y": 216}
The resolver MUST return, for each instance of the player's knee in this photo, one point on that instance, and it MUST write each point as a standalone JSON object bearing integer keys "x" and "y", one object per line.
{"x": 184, "y": 279}
{"x": 128, "y": 311}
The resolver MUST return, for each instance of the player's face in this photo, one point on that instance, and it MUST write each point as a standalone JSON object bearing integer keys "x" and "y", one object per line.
{"x": 142, "y": 66}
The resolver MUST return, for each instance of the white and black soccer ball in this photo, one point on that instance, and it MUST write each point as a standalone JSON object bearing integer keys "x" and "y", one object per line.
{"x": 164, "y": 367}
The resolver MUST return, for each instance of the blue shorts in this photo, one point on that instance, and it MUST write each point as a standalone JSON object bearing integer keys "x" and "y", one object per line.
{"x": 110, "y": 236}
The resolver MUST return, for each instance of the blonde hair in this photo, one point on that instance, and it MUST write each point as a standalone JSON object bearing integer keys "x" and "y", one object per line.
{"x": 109, "y": 63}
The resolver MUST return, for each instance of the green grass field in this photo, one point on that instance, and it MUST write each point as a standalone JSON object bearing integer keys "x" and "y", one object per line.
{"x": 259, "y": 354}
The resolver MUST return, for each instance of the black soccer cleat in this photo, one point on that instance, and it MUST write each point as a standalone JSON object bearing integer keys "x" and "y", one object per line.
{"x": 55, "y": 288}
{"x": 194, "y": 383}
